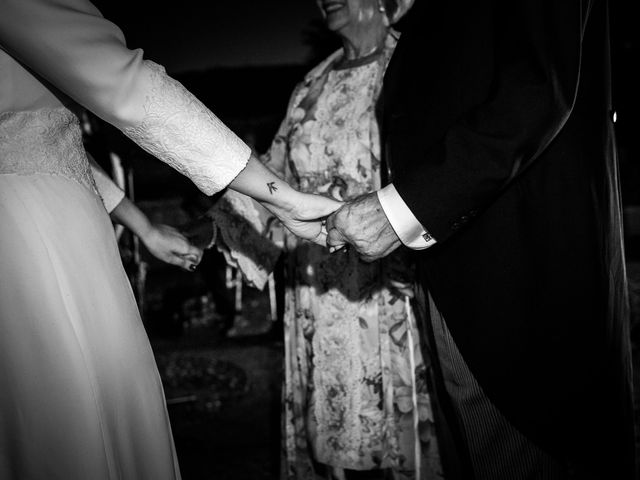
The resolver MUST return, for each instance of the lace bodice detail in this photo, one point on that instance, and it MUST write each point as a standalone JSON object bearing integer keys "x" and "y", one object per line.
{"x": 44, "y": 141}
{"x": 179, "y": 130}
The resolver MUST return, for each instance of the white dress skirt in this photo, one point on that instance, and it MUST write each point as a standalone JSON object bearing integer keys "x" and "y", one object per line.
{"x": 80, "y": 394}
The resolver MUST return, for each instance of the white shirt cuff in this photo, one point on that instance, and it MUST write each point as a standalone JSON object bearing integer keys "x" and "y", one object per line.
{"x": 404, "y": 223}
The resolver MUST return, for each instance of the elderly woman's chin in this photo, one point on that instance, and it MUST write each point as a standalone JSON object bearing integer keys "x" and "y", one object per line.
{"x": 337, "y": 20}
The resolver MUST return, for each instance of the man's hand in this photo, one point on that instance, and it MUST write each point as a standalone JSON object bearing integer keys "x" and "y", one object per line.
{"x": 363, "y": 224}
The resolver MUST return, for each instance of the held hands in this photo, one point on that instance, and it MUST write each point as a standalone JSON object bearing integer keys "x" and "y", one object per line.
{"x": 363, "y": 224}
{"x": 163, "y": 242}
{"x": 305, "y": 218}
{"x": 167, "y": 244}
{"x": 301, "y": 213}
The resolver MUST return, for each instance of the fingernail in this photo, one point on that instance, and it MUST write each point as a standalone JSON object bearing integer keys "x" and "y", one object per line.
{"x": 192, "y": 267}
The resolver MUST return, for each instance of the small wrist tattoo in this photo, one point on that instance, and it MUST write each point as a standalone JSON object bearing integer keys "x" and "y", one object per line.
{"x": 272, "y": 187}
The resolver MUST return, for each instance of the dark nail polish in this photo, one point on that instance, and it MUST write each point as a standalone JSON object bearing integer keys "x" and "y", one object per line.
{"x": 192, "y": 267}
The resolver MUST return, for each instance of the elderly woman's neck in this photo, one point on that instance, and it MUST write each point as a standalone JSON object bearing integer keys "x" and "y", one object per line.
{"x": 364, "y": 41}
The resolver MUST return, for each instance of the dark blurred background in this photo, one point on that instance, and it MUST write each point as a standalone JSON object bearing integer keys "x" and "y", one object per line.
{"x": 217, "y": 341}
{"x": 243, "y": 57}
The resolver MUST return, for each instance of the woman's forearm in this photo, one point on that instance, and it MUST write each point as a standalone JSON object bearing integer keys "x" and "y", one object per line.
{"x": 260, "y": 183}
{"x": 301, "y": 213}
{"x": 126, "y": 213}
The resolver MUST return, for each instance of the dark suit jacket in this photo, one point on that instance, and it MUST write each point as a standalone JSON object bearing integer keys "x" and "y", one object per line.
{"x": 496, "y": 124}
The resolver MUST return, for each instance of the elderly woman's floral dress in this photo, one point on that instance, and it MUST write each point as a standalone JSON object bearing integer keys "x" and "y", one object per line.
{"x": 355, "y": 395}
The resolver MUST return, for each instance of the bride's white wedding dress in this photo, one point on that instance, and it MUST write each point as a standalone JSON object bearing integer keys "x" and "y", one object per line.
{"x": 80, "y": 395}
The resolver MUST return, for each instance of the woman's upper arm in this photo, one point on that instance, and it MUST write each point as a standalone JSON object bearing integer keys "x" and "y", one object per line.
{"x": 72, "y": 46}
{"x": 110, "y": 193}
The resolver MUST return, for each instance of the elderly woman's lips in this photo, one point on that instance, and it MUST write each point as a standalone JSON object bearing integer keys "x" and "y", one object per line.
{"x": 329, "y": 7}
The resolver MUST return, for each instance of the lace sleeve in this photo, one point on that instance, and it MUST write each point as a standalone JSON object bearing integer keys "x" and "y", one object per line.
{"x": 74, "y": 48}
{"x": 179, "y": 130}
{"x": 241, "y": 226}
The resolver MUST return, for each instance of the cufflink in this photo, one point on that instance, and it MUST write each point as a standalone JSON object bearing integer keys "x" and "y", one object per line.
{"x": 427, "y": 237}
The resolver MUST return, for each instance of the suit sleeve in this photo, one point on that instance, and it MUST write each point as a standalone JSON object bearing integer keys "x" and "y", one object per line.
{"x": 71, "y": 46}
{"x": 537, "y": 48}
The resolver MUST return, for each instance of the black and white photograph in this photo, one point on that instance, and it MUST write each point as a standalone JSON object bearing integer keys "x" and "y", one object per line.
{"x": 319, "y": 240}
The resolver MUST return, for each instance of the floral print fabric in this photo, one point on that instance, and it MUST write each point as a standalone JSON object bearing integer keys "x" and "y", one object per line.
{"x": 355, "y": 390}
{"x": 355, "y": 393}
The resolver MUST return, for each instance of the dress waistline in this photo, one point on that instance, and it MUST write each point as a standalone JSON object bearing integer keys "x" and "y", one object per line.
{"x": 45, "y": 141}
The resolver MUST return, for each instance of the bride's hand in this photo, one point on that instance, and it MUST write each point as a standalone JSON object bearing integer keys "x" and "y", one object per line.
{"x": 169, "y": 245}
{"x": 305, "y": 217}
{"x": 302, "y": 213}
